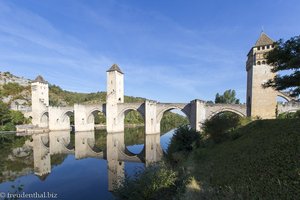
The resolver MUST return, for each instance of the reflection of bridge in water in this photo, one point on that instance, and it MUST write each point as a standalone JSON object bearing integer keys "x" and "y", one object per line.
{"x": 59, "y": 142}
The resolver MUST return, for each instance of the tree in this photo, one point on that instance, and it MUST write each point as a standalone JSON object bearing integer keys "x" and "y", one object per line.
{"x": 227, "y": 97}
{"x": 285, "y": 57}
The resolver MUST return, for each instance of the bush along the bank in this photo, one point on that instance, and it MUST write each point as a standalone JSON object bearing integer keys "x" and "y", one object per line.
{"x": 163, "y": 180}
{"x": 157, "y": 181}
{"x": 219, "y": 126}
{"x": 184, "y": 140}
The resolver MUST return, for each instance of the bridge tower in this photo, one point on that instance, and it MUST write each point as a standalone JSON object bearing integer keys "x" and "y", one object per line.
{"x": 261, "y": 102}
{"x": 40, "y": 102}
{"x": 115, "y": 95}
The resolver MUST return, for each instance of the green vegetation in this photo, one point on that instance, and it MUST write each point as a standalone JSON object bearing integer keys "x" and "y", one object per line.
{"x": 290, "y": 115}
{"x": 10, "y": 118}
{"x": 219, "y": 126}
{"x": 7, "y": 143}
{"x": 229, "y": 96}
{"x": 157, "y": 181}
{"x": 263, "y": 163}
{"x": 285, "y": 56}
{"x": 184, "y": 140}
{"x": 11, "y": 89}
{"x": 60, "y": 97}
{"x": 260, "y": 161}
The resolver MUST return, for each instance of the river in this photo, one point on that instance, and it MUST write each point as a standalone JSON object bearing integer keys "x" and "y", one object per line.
{"x": 81, "y": 165}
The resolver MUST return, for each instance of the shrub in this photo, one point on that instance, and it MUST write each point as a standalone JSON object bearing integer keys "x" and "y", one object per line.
{"x": 155, "y": 182}
{"x": 184, "y": 140}
{"x": 289, "y": 115}
{"x": 218, "y": 126}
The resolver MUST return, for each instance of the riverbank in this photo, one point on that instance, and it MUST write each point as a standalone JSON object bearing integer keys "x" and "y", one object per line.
{"x": 259, "y": 161}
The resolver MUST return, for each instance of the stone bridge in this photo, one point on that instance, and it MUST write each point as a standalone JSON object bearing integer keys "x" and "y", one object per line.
{"x": 115, "y": 110}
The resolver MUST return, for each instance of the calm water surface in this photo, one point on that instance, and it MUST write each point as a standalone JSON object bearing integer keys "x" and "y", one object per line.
{"x": 80, "y": 165}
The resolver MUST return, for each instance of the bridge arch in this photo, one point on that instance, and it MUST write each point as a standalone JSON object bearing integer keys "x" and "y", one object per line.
{"x": 93, "y": 113}
{"x": 65, "y": 117}
{"x": 163, "y": 111}
{"x": 126, "y": 110}
{"x": 44, "y": 119}
{"x": 223, "y": 110}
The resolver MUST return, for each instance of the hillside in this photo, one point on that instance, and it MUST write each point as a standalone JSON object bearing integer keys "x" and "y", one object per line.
{"x": 13, "y": 87}
{"x": 261, "y": 161}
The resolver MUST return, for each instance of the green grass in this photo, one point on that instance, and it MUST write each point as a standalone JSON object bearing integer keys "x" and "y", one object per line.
{"x": 262, "y": 161}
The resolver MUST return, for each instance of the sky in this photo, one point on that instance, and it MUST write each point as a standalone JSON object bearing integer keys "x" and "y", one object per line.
{"x": 169, "y": 51}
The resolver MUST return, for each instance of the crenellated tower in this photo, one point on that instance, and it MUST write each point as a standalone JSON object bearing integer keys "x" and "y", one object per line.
{"x": 261, "y": 102}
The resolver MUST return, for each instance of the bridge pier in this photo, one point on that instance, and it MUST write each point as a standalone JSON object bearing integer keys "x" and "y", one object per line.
{"x": 197, "y": 114}
{"x": 151, "y": 124}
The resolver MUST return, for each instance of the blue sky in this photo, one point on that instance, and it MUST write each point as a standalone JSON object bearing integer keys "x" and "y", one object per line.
{"x": 170, "y": 51}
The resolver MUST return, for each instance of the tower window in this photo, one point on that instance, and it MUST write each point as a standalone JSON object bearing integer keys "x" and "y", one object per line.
{"x": 258, "y": 48}
{"x": 263, "y": 62}
{"x": 268, "y": 47}
{"x": 258, "y": 62}
{"x": 263, "y": 47}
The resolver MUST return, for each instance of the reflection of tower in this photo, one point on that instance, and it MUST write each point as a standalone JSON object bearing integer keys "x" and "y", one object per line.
{"x": 41, "y": 154}
{"x": 153, "y": 151}
{"x": 115, "y": 95}
{"x": 115, "y": 143}
{"x": 40, "y": 102}
{"x": 261, "y": 101}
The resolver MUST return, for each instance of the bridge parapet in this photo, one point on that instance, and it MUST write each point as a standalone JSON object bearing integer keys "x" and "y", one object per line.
{"x": 291, "y": 106}
{"x": 214, "y": 109}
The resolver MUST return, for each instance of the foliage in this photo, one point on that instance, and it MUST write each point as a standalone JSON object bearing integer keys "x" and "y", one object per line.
{"x": 10, "y": 118}
{"x": 11, "y": 89}
{"x": 134, "y": 117}
{"x": 291, "y": 115}
{"x": 229, "y": 96}
{"x": 218, "y": 126}
{"x": 59, "y": 97}
{"x": 184, "y": 140}
{"x": 155, "y": 182}
{"x": 285, "y": 56}
{"x": 261, "y": 164}
{"x": 172, "y": 120}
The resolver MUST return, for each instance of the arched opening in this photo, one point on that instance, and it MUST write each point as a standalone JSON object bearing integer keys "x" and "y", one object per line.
{"x": 220, "y": 123}
{"x": 44, "y": 120}
{"x": 97, "y": 118}
{"x": 281, "y": 99}
{"x": 68, "y": 119}
{"x": 226, "y": 112}
{"x": 134, "y": 131}
{"x": 171, "y": 119}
